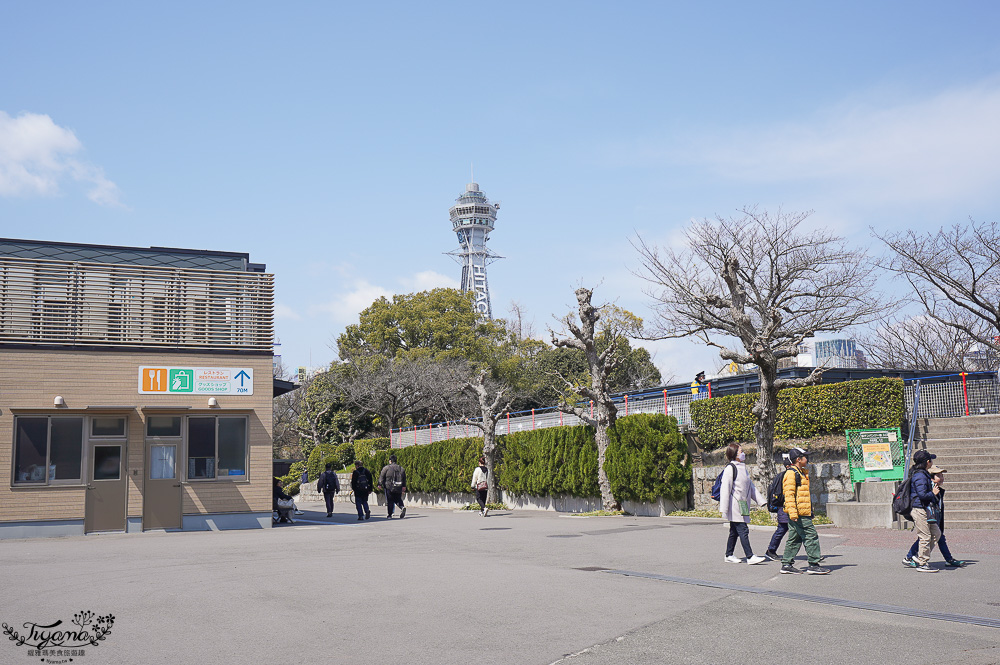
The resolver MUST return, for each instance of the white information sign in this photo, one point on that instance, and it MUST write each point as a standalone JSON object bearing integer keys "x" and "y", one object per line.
{"x": 195, "y": 380}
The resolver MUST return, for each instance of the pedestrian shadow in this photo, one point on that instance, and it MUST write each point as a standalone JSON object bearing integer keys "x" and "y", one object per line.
{"x": 495, "y": 528}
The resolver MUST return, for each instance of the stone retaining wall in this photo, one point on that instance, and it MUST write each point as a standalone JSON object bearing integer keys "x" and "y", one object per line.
{"x": 829, "y": 482}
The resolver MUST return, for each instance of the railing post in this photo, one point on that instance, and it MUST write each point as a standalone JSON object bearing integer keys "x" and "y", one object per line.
{"x": 591, "y": 408}
{"x": 626, "y": 405}
{"x": 908, "y": 451}
{"x": 709, "y": 390}
{"x": 447, "y": 430}
{"x": 965, "y": 392}
{"x": 560, "y": 419}
{"x": 414, "y": 435}
{"x": 664, "y": 402}
{"x": 430, "y": 429}
{"x": 532, "y": 419}
{"x": 508, "y": 422}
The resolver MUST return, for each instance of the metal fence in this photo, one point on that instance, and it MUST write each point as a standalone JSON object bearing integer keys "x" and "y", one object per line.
{"x": 953, "y": 395}
{"x": 671, "y": 403}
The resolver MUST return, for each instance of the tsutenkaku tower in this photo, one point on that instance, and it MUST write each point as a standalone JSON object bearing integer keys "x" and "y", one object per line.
{"x": 473, "y": 218}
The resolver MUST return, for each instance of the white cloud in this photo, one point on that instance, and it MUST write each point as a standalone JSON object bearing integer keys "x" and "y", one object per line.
{"x": 286, "y": 312}
{"x": 426, "y": 280}
{"x": 345, "y": 306}
{"x": 938, "y": 148}
{"x": 36, "y": 156}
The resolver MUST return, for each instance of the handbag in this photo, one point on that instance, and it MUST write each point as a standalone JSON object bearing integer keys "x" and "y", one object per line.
{"x": 285, "y": 503}
{"x": 744, "y": 507}
{"x": 482, "y": 485}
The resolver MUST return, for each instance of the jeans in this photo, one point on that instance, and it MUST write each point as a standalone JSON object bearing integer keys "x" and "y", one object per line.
{"x": 739, "y": 530}
{"x": 481, "y": 498}
{"x": 779, "y": 533}
{"x": 802, "y": 532}
{"x": 393, "y": 499}
{"x": 361, "y": 503}
{"x": 328, "y": 497}
{"x": 928, "y": 534}
{"x": 942, "y": 545}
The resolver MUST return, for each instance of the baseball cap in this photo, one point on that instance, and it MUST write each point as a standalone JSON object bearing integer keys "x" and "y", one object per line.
{"x": 936, "y": 469}
{"x": 921, "y": 456}
{"x": 796, "y": 453}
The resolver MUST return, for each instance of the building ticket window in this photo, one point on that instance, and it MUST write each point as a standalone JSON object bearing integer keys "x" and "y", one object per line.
{"x": 48, "y": 450}
{"x": 216, "y": 447}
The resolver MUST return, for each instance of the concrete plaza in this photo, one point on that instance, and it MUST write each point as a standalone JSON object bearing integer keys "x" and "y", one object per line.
{"x": 517, "y": 587}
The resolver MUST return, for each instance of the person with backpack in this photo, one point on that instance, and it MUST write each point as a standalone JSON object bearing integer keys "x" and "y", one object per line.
{"x": 923, "y": 500}
{"x": 392, "y": 480}
{"x": 734, "y": 503}
{"x": 361, "y": 483}
{"x": 776, "y": 504}
{"x": 480, "y": 484}
{"x": 937, "y": 475}
{"x": 329, "y": 485}
{"x": 798, "y": 505}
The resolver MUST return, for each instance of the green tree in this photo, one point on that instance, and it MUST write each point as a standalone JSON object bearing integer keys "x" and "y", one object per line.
{"x": 439, "y": 323}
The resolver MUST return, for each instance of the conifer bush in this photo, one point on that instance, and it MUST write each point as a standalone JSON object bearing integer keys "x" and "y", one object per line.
{"x": 647, "y": 459}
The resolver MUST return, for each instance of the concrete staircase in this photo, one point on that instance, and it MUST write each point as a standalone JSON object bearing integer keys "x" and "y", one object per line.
{"x": 969, "y": 448}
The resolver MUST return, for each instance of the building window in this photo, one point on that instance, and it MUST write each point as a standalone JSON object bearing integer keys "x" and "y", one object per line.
{"x": 107, "y": 426}
{"x": 216, "y": 447}
{"x": 48, "y": 450}
{"x": 163, "y": 426}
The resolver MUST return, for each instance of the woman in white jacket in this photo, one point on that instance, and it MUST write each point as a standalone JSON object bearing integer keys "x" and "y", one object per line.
{"x": 481, "y": 485}
{"x": 734, "y": 503}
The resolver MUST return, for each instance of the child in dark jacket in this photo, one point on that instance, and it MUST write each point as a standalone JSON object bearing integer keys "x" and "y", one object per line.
{"x": 937, "y": 476}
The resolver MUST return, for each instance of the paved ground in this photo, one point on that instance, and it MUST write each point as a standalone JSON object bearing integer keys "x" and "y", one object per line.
{"x": 453, "y": 587}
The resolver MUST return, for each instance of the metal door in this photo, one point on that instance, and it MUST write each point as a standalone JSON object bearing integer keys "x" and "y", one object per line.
{"x": 106, "y": 488}
{"x": 161, "y": 505}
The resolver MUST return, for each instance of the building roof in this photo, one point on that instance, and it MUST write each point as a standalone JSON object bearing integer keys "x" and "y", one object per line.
{"x": 143, "y": 256}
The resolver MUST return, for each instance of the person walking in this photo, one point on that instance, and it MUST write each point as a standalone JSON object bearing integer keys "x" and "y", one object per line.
{"x": 782, "y": 529}
{"x": 361, "y": 483}
{"x": 923, "y": 500}
{"x": 481, "y": 485}
{"x": 392, "y": 481}
{"x": 937, "y": 475}
{"x": 734, "y": 503}
{"x": 329, "y": 485}
{"x": 798, "y": 505}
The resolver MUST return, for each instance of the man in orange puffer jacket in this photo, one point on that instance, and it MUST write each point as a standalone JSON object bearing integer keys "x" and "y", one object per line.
{"x": 798, "y": 505}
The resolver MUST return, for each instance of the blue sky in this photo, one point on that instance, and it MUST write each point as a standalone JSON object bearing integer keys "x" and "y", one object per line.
{"x": 329, "y": 139}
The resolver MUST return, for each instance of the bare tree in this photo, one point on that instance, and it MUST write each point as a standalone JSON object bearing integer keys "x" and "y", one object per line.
{"x": 493, "y": 399}
{"x": 601, "y": 365}
{"x": 955, "y": 276}
{"x": 284, "y": 419}
{"x": 925, "y": 343}
{"x": 755, "y": 286}
{"x": 517, "y": 324}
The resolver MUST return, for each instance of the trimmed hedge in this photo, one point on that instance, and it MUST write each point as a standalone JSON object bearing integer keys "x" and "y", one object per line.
{"x": 445, "y": 466}
{"x": 803, "y": 412}
{"x": 365, "y": 448}
{"x": 550, "y": 462}
{"x": 647, "y": 458}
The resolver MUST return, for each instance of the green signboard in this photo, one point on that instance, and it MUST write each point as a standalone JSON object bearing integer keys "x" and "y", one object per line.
{"x": 876, "y": 453}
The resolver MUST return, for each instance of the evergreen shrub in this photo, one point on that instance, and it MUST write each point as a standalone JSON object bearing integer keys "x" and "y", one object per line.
{"x": 445, "y": 466}
{"x": 553, "y": 461}
{"x": 365, "y": 448}
{"x": 345, "y": 455}
{"x": 803, "y": 412}
{"x": 647, "y": 459}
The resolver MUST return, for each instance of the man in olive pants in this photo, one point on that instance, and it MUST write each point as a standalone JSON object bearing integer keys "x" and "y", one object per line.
{"x": 798, "y": 505}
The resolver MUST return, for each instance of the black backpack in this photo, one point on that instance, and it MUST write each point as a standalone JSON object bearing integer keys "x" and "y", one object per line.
{"x": 717, "y": 485}
{"x": 776, "y": 492}
{"x": 902, "y": 501}
{"x": 362, "y": 480}
{"x": 329, "y": 481}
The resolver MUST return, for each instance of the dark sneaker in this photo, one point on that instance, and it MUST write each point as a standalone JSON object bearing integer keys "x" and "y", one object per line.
{"x": 926, "y": 569}
{"x": 360, "y": 518}
{"x": 909, "y": 563}
{"x": 789, "y": 569}
{"x": 368, "y": 516}
{"x": 955, "y": 563}
{"x": 816, "y": 569}
{"x": 402, "y": 512}
{"x": 772, "y": 555}
{"x": 389, "y": 516}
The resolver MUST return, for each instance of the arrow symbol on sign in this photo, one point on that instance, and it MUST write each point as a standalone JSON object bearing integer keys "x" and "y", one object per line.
{"x": 241, "y": 376}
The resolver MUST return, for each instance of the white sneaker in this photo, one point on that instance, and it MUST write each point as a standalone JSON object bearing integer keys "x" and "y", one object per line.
{"x": 733, "y": 559}
{"x": 486, "y": 512}
{"x": 756, "y": 558}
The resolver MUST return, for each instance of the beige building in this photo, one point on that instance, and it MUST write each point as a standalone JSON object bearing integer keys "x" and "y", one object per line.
{"x": 135, "y": 389}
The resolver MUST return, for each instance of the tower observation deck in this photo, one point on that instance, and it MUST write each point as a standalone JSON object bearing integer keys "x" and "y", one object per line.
{"x": 472, "y": 219}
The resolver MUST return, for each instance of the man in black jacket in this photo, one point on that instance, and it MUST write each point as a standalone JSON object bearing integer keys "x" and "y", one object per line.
{"x": 393, "y": 481}
{"x": 923, "y": 493}
{"x": 329, "y": 485}
{"x": 361, "y": 483}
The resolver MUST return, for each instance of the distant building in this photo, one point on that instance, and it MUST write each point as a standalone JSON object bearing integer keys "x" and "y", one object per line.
{"x": 840, "y": 353}
{"x": 473, "y": 218}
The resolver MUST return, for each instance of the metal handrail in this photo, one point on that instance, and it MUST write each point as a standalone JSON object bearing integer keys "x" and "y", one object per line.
{"x": 913, "y": 428}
